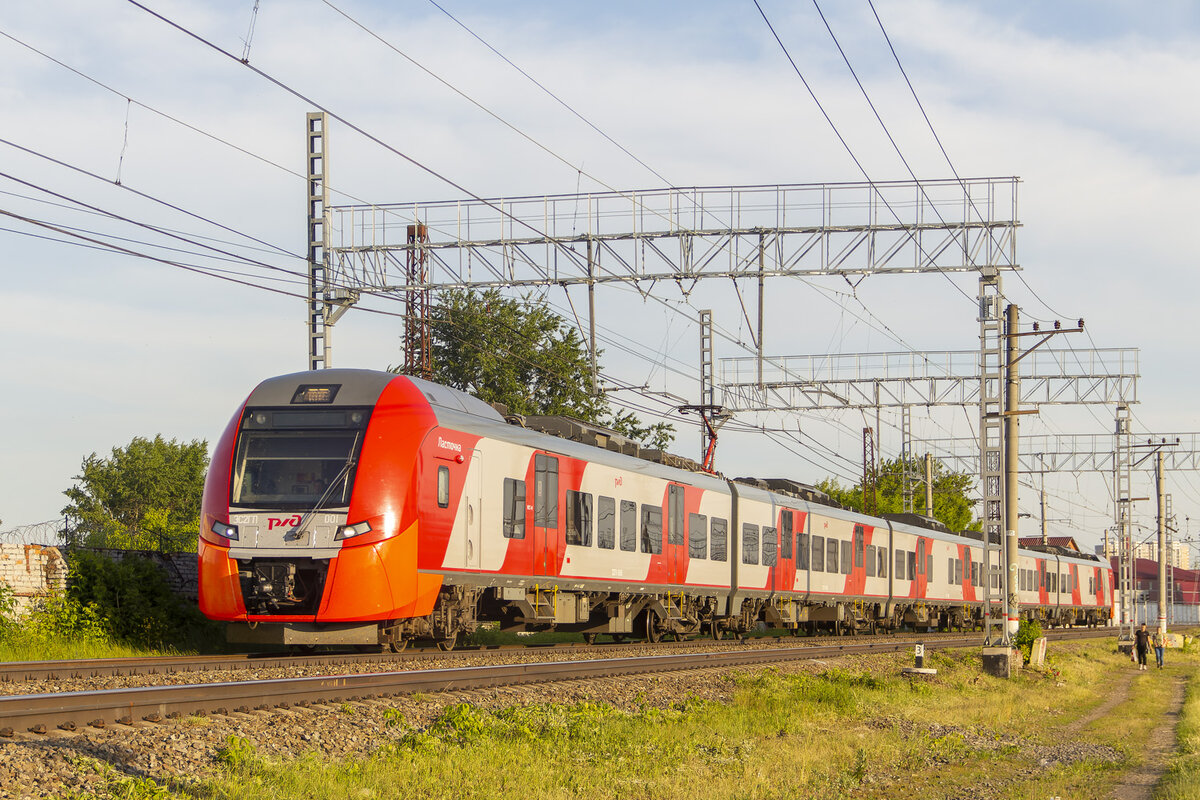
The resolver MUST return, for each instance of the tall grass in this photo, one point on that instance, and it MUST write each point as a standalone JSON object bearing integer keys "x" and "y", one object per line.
{"x": 57, "y": 627}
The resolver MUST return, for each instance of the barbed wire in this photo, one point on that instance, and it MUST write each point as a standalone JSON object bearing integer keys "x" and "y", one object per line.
{"x": 45, "y": 533}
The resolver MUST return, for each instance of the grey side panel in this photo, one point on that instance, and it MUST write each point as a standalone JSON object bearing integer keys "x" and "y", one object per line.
{"x": 734, "y": 550}
{"x": 891, "y": 567}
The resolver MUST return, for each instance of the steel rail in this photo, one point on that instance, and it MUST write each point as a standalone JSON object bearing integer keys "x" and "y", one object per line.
{"x": 75, "y": 669}
{"x": 70, "y": 711}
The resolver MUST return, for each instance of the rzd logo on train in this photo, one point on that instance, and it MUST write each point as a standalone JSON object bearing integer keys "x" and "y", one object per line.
{"x": 286, "y": 522}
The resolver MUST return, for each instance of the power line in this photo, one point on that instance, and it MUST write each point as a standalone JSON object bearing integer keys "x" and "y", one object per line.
{"x": 150, "y": 197}
{"x": 552, "y": 95}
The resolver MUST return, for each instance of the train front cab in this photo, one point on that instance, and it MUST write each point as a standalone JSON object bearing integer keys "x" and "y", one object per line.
{"x": 309, "y": 531}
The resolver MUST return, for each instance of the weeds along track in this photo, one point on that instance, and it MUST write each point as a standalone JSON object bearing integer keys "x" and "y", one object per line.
{"x": 47, "y": 709}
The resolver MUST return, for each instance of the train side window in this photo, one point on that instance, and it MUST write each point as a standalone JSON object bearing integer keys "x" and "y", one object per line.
{"x": 859, "y": 539}
{"x": 606, "y": 522}
{"x": 929, "y": 566}
{"x": 818, "y": 553}
{"x": 514, "y": 509}
{"x": 579, "y": 518}
{"x": 900, "y": 565}
{"x": 912, "y": 565}
{"x": 870, "y": 554}
{"x": 831, "y": 555}
{"x": 950, "y": 571}
{"x": 652, "y": 529}
{"x": 958, "y": 571}
{"x": 628, "y": 526}
{"x": 846, "y": 548}
{"x": 749, "y": 543}
{"x": 802, "y": 551}
{"x": 921, "y": 555}
{"x": 697, "y": 536}
{"x": 443, "y": 487}
{"x": 883, "y": 561}
{"x": 675, "y": 515}
{"x": 719, "y": 539}
{"x": 785, "y": 534}
{"x": 770, "y": 538}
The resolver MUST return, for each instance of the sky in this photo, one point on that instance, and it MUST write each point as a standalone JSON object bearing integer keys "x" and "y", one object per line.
{"x": 1091, "y": 105}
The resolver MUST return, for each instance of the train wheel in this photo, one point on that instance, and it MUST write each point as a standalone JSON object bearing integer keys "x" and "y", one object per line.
{"x": 448, "y": 642}
{"x": 653, "y": 633}
{"x": 715, "y": 630}
{"x": 398, "y": 646}
{"x": 589, "y": 638}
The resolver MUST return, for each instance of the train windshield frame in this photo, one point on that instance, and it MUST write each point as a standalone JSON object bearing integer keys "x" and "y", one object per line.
{"x": 289, "y": 458}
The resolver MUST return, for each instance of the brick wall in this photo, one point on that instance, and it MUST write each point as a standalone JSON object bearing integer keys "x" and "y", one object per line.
{"x": 32, "y": 571}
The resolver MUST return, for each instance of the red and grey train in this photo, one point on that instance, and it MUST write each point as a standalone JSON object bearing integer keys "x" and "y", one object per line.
{"x": 354, "y": 507}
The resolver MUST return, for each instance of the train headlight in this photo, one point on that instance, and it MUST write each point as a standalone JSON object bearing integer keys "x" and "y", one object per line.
{"x": 350, "y": 531}
{"x": 221, "y": 529}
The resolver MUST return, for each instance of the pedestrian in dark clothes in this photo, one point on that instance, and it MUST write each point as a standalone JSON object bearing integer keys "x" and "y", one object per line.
{"x": 1141, "y": 641}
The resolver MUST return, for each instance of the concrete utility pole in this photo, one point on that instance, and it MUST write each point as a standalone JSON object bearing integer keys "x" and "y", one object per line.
{"x": 1012, "y": 437}
{"x": 1011, "y": 445}
{"x": 1044, "y": 540}
{"x": 929, "y": 484}
{"x": 1161, "y": 484}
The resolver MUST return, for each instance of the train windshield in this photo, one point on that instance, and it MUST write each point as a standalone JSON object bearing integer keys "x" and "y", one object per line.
{"x": 297, "y": 459}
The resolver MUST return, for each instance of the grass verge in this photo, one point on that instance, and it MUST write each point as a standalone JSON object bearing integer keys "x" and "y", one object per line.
{"x": 853, "y": 728}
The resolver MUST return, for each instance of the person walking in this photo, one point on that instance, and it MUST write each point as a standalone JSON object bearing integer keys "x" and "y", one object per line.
{"x": 1141, "y": 642}
{"x": 1160, "y": 644}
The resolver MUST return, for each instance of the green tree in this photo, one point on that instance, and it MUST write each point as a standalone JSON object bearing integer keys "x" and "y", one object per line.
{"x": 518, "y": 352}
{"x": 146, "y": 496}
{"x": 951, "y": 505}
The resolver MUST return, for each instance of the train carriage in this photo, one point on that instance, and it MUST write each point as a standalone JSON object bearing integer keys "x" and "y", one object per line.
{"x": 360, "y": 507}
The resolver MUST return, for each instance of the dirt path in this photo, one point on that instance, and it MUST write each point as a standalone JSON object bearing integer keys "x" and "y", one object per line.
{"x": 1139, "y": 783}
{"x": 1119, "y": 694}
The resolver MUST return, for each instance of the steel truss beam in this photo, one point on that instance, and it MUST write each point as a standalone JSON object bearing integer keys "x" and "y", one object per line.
{"x": 684, "y": 235}
{"x": 947, "y": 378}
{"x": 1087, "y": 452}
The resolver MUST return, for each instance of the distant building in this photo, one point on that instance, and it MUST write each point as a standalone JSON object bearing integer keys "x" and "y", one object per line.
{"x": 1181, "y": 556}
{"x": 1055, "y": 541}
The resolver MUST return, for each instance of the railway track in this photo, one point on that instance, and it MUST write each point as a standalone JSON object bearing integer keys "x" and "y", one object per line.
{"x": 25, "y": 671}
{"x": 66, "y": 670}
{"x": 39, "y": 714}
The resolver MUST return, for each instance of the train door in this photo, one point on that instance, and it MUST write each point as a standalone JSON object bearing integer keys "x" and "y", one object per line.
{"x": 473, "y": 493}
{"x": 676, "y": 550}
{"x": 545, "y": 515}
{"x": 785, "y": 570}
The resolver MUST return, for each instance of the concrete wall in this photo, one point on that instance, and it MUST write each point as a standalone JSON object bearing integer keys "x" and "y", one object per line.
{"x": 31, "y": 571}
{"x": 181, "y": 569}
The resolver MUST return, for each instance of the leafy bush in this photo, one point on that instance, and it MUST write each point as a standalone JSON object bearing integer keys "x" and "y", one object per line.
{"x": 137, "y": 606}
{"x": 1027, "y": 633}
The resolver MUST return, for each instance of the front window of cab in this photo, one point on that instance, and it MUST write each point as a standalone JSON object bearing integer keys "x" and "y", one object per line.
{"x": 290, "y": 458}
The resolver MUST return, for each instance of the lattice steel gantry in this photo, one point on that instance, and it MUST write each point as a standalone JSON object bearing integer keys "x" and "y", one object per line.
{"x": 681, "y": 236}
